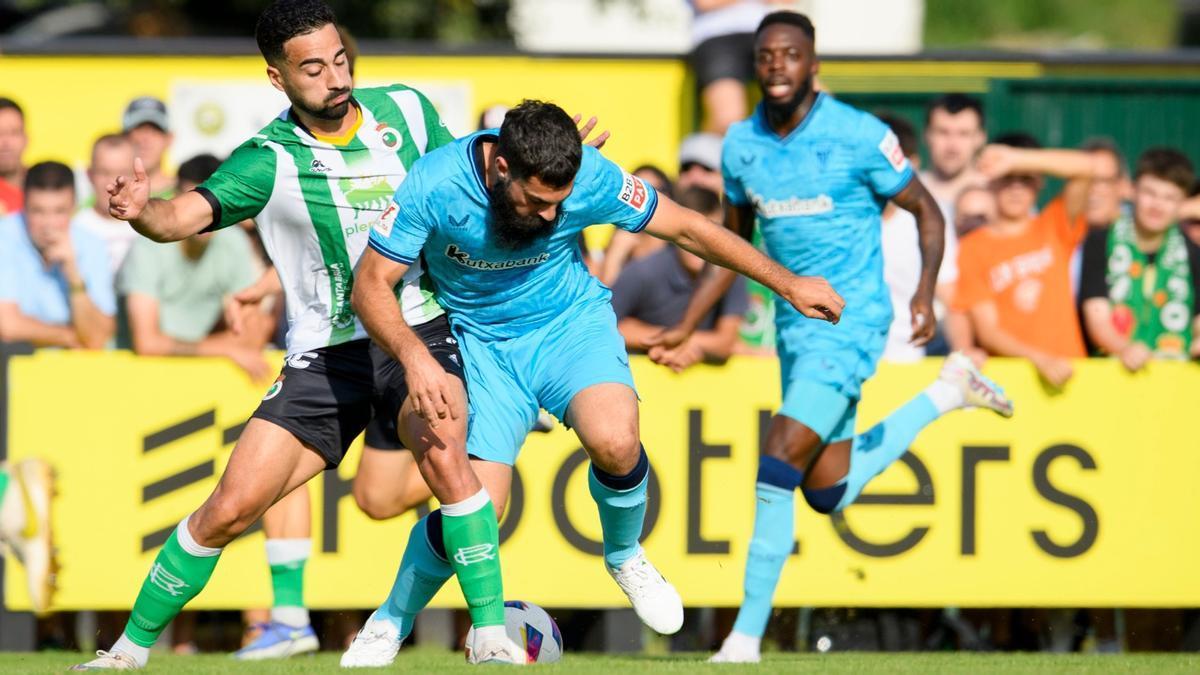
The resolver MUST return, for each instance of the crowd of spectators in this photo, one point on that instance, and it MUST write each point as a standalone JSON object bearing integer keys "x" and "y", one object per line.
{"x": 1108, "y": 265}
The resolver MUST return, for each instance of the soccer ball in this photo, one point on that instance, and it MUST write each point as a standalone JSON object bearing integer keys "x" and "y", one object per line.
{"x": 532, "y": 629}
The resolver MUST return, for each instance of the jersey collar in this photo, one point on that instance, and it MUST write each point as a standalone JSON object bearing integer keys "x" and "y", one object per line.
{"x": 477, "y": 169}
{"x": 333, "y": 140}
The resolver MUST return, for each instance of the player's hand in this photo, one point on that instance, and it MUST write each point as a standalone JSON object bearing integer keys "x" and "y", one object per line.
{"x": 128, "y": 196}
{"x": 429, "y": 389}
{"x": 1135, "y": 356}
{"x": 924, "y": 323}
{"x": 597, "y": 142}
{"x": 815, "y": 298}
{"x": 1054, "y": 370}
{"x": 249, "y": 298}
{"x": 996, "y": 161}
{"x": 666, "y": 339}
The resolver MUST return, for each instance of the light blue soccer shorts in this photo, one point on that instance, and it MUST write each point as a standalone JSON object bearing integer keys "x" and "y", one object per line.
{"x": 822, "y": 369}
{"x": 508, "y": 380}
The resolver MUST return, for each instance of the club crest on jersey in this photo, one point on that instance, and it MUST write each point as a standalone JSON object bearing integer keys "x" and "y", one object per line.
{"x": 274, "y": 390}
{"x": 890, "y": 147}
{"x": 634, "y": 192}
{"x": 318, "y": 166}
{"x": 463, "y": 258}
{"x": 389, "y": 136}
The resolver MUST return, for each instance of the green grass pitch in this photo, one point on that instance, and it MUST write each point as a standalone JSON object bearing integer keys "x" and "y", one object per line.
{"x": 429, "y": 660}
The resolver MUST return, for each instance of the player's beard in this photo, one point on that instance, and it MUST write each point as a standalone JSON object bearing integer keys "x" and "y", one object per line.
{"x": 787, "y": 108}
{"x": 511, "y": 228}
{"x": 326, "y": 111}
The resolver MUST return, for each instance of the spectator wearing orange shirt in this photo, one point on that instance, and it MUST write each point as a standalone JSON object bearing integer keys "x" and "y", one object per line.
{"x": 1014, "y": 274}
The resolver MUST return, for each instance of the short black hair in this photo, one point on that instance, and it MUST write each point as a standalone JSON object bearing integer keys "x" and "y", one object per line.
{"x": 700, "y": 199}
{"x": 904, "y": 130}
{"x": 788, "y": 18}
{"x": 198, "y": 169}
{"x": 540, "y": 140}
{"x": 283, "y": 20}
{"x": 49, "y": 176}
{"x": 1106, "y": 144}
{"x": 1017, "y": 139}
{"x": 1167, "y": 164}
{"x": 954, "y": 103}
{"x": 7, "y": 103}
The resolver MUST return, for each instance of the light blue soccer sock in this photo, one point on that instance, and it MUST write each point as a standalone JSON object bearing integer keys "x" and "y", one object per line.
{"x": 771, "y": 544}
{"x": 621, "y": 501}
{"x": 875, "y": 450}
{"x": 423, "y": 571}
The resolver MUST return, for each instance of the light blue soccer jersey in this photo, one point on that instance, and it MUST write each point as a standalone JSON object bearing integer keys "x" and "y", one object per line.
{"x": 818, "y": 194}
{"x": 493, "y": 291}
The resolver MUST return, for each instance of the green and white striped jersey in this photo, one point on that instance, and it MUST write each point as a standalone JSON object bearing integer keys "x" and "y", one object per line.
{"x": 314, "y": 202}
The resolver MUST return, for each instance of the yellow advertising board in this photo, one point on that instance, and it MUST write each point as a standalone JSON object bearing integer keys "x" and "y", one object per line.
{"x": 1086, "y": 497}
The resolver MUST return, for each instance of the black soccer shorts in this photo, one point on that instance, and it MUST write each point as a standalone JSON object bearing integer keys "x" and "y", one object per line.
{"x": 327, "y": 397}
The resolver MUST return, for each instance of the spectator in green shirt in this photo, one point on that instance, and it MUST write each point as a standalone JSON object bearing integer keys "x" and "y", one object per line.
{"x": 175, "y": 294}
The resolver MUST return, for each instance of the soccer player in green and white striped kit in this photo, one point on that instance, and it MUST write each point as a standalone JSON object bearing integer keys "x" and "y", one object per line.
{"x": 314, "y": 179}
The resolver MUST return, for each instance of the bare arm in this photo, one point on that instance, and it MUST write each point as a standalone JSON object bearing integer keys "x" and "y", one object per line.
{"x": 718, "y": 344}
{"x": 93, "y": 327}
{"x": 931, "y": 229}
{"x": 616, "y": 255}
{"x": 375, "y": 303}
{"x": 149, "y": 340}
{"x": 637, "y": 333}
{"x": 1076, "y": 166}
{"x": 1097, "y": 320}
{"x": 161, "y": 220}
{"x": 996, "y": 340}
{"x": 15, "y": 326}
{"x": 811, "y": 296}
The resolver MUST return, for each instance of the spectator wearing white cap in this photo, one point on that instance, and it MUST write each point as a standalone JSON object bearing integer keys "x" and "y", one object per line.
{"x": 145, "y": 123}
{"x": 700, "y": 163}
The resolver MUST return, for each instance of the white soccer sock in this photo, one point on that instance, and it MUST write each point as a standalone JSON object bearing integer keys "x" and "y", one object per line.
{"x": 296, "y": 617}
{"x": 485, "y": 633}
{"x": 129, "y": 648}
{"x": 945, "y": 396}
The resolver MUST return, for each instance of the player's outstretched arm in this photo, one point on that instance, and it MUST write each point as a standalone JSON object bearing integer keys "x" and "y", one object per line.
{"x": 161, "y": 220}
{"x": 375, "y": 303}
{"x": 931, "y": 230}
{"x": 811, "y": 296}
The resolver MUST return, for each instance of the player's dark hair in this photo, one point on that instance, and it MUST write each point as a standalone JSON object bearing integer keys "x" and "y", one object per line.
{"x": 198, "y": 169}
{"x": 904, "y": 130}
{"x": 283, "y": 20}
{"x": 539, "y": 140}
{"x": 49, "y": 176}
{"x": 788, "y": 18}
{"x": 1167, "y": 164}
{"x": 1106, "y": 144}
{"x": 1017, "y": 139}
{"x": 700, "y": 199}
{"x": 668, "y": 188}
{"x": 7, "y": 103}
{"x": 955, "y": 103}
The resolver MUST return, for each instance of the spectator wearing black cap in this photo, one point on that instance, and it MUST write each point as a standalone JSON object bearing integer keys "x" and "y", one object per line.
{"x": 145, "y": 122}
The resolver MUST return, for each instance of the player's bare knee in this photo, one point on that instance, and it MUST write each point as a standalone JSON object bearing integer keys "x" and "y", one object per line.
{"x": 372, "y": 505}
{"x": 617, "y": 452}
{"x": 793, "y": 443}
{"x": 222, "y": 518}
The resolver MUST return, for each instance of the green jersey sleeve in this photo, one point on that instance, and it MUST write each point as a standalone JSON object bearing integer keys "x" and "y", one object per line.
{"x": 242, "y": 186}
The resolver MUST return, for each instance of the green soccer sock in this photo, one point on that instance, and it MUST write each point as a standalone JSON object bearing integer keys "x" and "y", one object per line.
{"x": 472, "y": 538}
{"x": 179, "y": 573}
{"x": 287, "y": 558}
{"x": 3, "y": 483}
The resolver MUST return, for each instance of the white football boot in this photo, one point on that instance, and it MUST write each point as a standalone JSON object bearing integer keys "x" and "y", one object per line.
{"x": 978, "y": 391}
{"x": 654, "y": 599}
{"x": 738, "y": 648}
{"x": 113, "y": 660}
{"x": 495, "y": 647}
{"x": 25, "y": 526}
{"x": 375, "y": 645}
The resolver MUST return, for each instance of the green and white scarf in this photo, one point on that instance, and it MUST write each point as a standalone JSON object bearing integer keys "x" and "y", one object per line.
{"x": 1152, "y": 304}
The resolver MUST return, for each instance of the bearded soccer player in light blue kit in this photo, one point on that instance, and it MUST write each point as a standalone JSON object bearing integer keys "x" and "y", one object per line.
{"x": 817, "y": 174}
{"x": 495, "y": 219}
